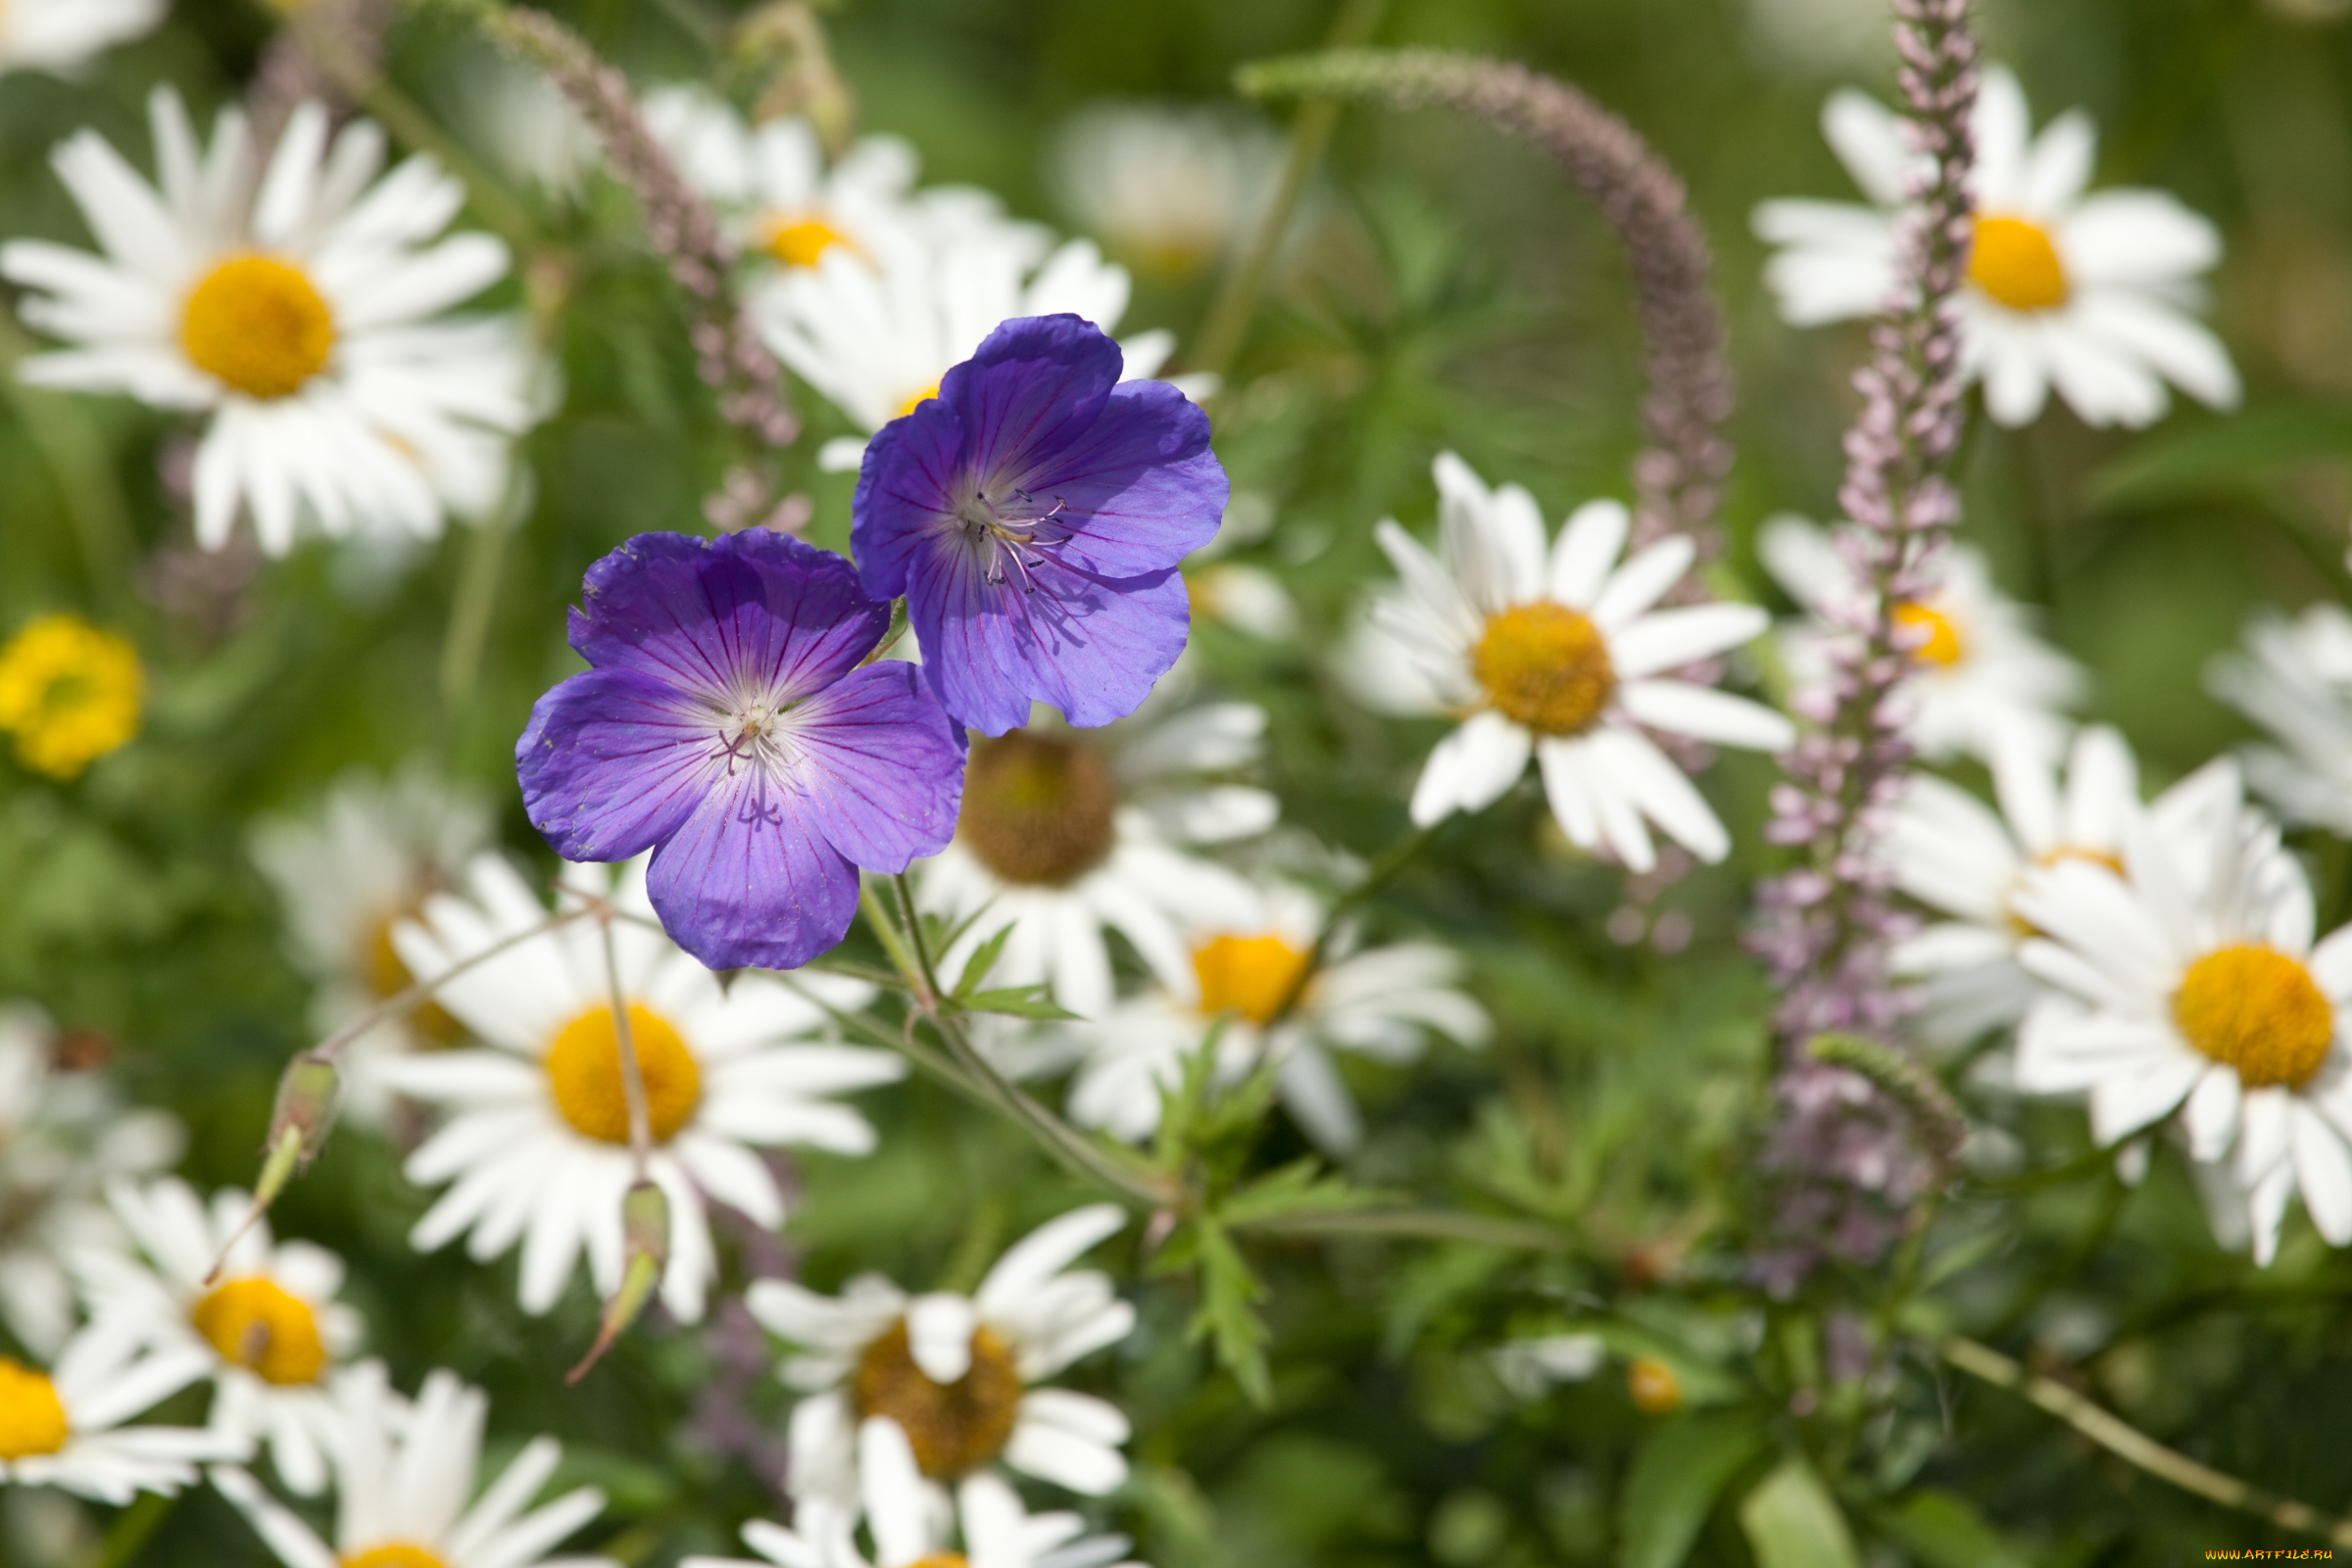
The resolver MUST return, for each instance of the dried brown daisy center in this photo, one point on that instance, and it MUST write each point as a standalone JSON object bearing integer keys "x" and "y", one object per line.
{"x": 953, "y": 1427}
{"x": 261, "y": 1326}
{"x": 2016, "y": 262}
{"x": 583, "y": 1072}
{"x": 33, "y": 1418}
{"x": 1248, "y": 975}
{"x": 258, "y": 326}
{"x": 1546, "y": 667}
{"x": 1037, "y": 810}
{"x": 395, "y": 1555}
{"x": 1942, "y": 643}
{"x": 2254, "y": 1009}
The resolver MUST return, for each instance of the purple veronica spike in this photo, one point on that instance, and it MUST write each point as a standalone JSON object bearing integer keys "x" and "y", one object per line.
{"x": 727, "y": 726}
{"x": 1033, "y": 514}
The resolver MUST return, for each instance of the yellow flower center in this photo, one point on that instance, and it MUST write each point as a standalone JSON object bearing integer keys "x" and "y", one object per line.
{"x": 918, "y": 400}
{"x": 1038, "y": 812}
{"x": 395, "y": 1555}
{"x": 941, "y": 1559}
{"x": 800, "y": 241}
{"x": 583, "y": 1071}
{"x": 257, "y": 324}
{"x": 33, "y": 1418}
{"x": 70, "y": 693}
{"x": 1248, "y": 975}
{"x": 256, "y": 1324}
{"x": 1656, "y": 1390}
{"x": 388, "y": 976}
{"x": 953, "y": 1427}
{"x": 1546, "y": 667}
{"x": 2254, "y": 1009}
{"x": 2015, "y": 262}
{"x": 1942, "y": 644}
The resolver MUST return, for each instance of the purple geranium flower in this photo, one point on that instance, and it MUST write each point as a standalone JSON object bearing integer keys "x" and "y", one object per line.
{"x": 1034, "y": 514}
{"x": 727, "y": 726}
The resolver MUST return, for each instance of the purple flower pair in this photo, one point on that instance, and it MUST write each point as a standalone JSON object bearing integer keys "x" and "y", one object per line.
{"x": 1034, "y": 514}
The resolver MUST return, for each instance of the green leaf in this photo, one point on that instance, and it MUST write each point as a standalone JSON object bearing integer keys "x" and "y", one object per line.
{"x": 1228, "y": 1315}
{"x": 1017, "y": 1001}
{"x": 1674, "y": 1482}
{"x": 984, "y": 959}
{"x": 1944, "y": 1531}
{"x": 1298, "y": 1188}
{"x": 1793, "y": 1522}
{"x": 2221, "y": 456}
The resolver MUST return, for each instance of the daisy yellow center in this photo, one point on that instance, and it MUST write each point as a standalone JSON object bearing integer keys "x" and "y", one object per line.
{"x": 918, "y": 400}
{"x": 257, "y": 1325}
{"x": 1654, "y": 1388}
{"x": 2254, "y": 1009}
{"x": 70, "y": 693}
{"x": 388, "y": 976}
{"x": 583, "y": 1072}
{"x": 1037, "y": 810}
{"x": 1941, "y": 642}
{"x": 395, "y": 1555}
{"x": 258, "y": 326}
{"x": 953, "y": 1427}
{"x": 1546, "y": 667}
{"x": 33, "y": 1418}
{"x": 800, "y": 241}
{"x": 941, "y": 1559}
{"x": 2015, "y": 260}
{"x": 1248, "y": 975}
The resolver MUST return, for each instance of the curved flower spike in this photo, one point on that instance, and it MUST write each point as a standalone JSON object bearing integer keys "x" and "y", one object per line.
{"x": 1034, "y": 514}
{"x": 729, "y": 726}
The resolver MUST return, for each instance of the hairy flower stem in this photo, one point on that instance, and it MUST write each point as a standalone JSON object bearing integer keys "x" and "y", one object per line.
{"x": 1678, "y": 481}
{"x": 1849, "y": 1157}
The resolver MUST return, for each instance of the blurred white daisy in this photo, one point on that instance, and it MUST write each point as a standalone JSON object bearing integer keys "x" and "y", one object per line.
{"x": 524, "y": 125}
{"x": 301, "y": 309}
{"x": 536, "y": 1137}
{"x": 1170, "y": 189}
{"x": 1249, "y": 599}
{"x": 1983, "y": 683}
{"x": 346, "y": 873}
{"x": 913, "y": 1524}
{"x": 1821, "y": 37}
{"x": 958, "y": 1375}
{"x": 2198, "y": 989}
{"x": 63, "y": 1135}
{"x": 405, "y": 1478}
{"x": 1560, "y": 656}
{"x": 1381, "y": 1003}
{"x": 270, "y": 1328}
{"x": 875, "y": 332}
{"x": 1067, "y": 832}
{"x": 2093, "y": 294}
{"x": 61, "y": 34}
{"x": 2294, "y": 679}
{"x": 64, "y": 1428}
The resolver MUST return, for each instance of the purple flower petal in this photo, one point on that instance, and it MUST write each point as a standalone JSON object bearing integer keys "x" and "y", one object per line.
{"x": 1142, "y": 488}
{"x": 747, "y": 881}
{"x": 612, "y": 762}
{"x": 885, "y": 767}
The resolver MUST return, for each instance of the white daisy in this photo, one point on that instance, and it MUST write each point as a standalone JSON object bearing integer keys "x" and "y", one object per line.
{"x": 270, "y": 1328}
{"x": 913, "y": 1524}
{"x": 958, "y": 1374}
{"x": 1379, "y": 1002}
{"x": 1170, "y": 189}
{"x": 1065, "y": 832}
{"x": 875, "y": 332}
{"x": 1560, "y": 656}
{"x": 61, "y": 34}
{"x": 1249, "y": 599}
{"x": 348, "y": 872}
{"x": 64, "y": 1134}
{"x": 301, "y": 309}
{"x": 536, "y": 1141}
{"x": 2093, "y": 294}
{"x": 2294, "y": 679}
{"x": 64, "y": 1428}
{"x": 2198, "y": 989}
{"x": 405, "y": 1483}
{"x": 524, "y": 125}
{"x": 1984, "y": 682}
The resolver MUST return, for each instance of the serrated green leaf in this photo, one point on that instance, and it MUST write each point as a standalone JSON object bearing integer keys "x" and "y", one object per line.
{"x": 1944, "y": 1531}
{"x": 1228, "y": 1315}
{"x": 1675, "y": 1477}
{"x": 1017, "y": 1001}
{"x": 1793, "y": 1522}
{"x": 1298, "y": 1188}
{"x": 982, "y": 960}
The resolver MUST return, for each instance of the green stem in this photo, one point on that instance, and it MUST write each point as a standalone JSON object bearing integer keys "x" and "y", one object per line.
{"x": 1428, "y": 1225}
{"x": 1384, "y": 870}
{"x": 471, "y": 612}
{"x": 2086, "y": 1248}
{"x": 133, "y": 1527}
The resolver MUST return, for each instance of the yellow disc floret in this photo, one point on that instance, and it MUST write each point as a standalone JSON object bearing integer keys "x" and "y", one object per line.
{"x": 395, "y": 1555}
{"x": 2015, "y": 260}
{"x": 258, "y": 326}
{"x": 388, "y": 976}
{"x": 257, "y": 1325}
{"x": 800, "y": 241}
{"x": 2254, "y": 1009}
{"x": 70, "y": 693}
{"x": 1654, "y": 1388}
{"x": 1546, "y": 667}
{"x": 583, "y": 1072}
{"x": 1941, "y": 642}
{"x": 941, "y": 1559}
{"x": 918, "y": 400}
{"x": 953, "y": 1427}
{"x": 33, "y": 1418}
{"x": 1248, "y": 975}
{"x": 1038, "y": 811}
